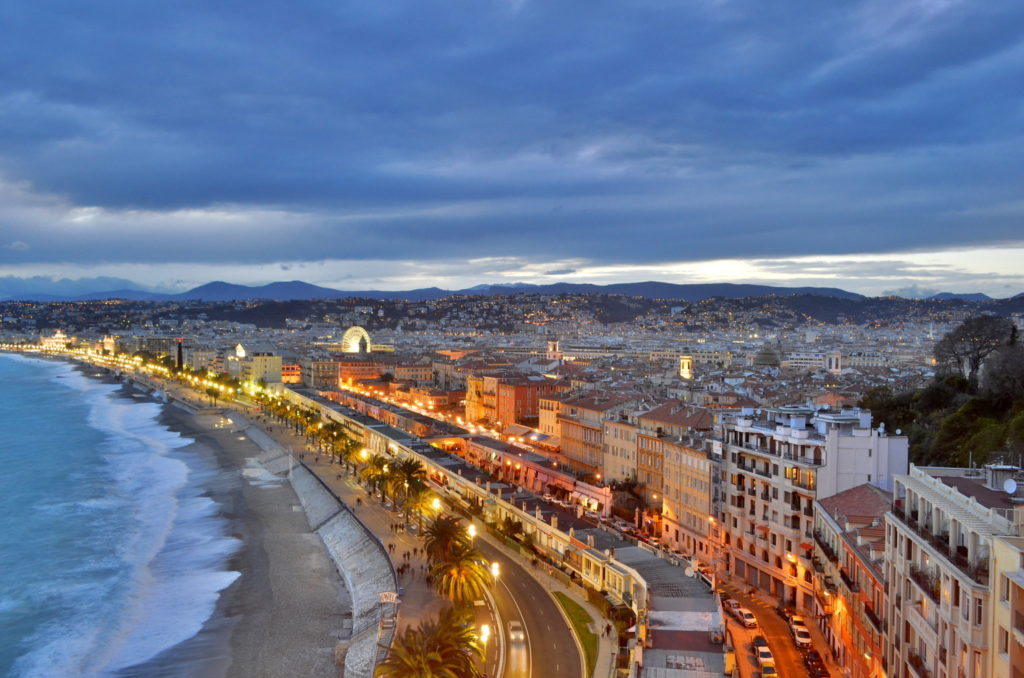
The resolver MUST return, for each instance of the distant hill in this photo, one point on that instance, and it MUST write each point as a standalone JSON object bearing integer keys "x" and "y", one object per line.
{"x": 973, "y": 296}
{"x": 297, "y": 290}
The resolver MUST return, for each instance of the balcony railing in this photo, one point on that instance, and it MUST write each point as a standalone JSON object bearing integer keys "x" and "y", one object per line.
{"x": 917, "y": 663}
{"x": 810, "y": 461}
{"x": 849, "y": 581}
{"x": 763, "y": 473}
{"x": 929, "y": 583}
{"x": 824, "y": 546}
{"x": 873, "y": 618}
{"x": 940, "y": 542}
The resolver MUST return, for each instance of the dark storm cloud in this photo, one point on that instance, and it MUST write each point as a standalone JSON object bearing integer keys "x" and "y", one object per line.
{"x": 611, "y": 131}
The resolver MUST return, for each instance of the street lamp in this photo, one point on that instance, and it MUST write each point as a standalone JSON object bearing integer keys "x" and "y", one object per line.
{"x": 495, "y": 569}
{"x": 472, "y": 531}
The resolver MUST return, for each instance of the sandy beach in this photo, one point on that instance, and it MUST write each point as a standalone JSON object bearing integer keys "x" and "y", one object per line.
{"x": 283, "y": 616}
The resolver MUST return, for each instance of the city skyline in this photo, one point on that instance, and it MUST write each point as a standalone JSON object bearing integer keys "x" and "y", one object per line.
{"x": 864, "y": 146}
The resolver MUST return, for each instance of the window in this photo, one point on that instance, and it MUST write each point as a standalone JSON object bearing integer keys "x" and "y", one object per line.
{"x": 1004, "y": 588}
{"x": 1004, "y": 641}
{"x": 979, "y": 606}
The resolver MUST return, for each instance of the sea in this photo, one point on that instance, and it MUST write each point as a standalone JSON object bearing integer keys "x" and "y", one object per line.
{"x": 112, "y": 550}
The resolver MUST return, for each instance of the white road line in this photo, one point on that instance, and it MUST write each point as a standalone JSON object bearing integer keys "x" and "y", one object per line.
{"x": 526, "y": 630}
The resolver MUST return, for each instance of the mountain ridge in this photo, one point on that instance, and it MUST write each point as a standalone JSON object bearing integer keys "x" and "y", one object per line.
{"x": 294, "y": 290}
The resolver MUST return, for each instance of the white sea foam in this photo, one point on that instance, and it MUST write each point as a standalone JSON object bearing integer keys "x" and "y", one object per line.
{"x": 159, "y": 580}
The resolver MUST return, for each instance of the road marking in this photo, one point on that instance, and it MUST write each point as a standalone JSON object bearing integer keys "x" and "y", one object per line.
{"x": 526, "y": 630}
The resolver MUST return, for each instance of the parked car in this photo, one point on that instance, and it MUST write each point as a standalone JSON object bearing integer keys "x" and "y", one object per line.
{"x": 768, "y": 671}
{"x": 759, "y": 641}
{"x": 819, "y": 671}
{"x": 747, "y": 618}
{"x": 764, "y": 656}
{"x": 797, "y": 622}
{"x": 812, "y": 658}
{"x": 802, "y": 637}
{"x": 784, "y": 612}
{"x": 731, "y": 606}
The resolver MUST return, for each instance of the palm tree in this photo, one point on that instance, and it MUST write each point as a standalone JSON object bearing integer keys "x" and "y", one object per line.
{"x": 376, "y": 473}
{"x": 446, "y": 648}
{"x": 441, "y": 537}
{"x": 416, "y": 500}
{"x": 458, "y": 643}
{"x": 347, "y": 448}
{"x": 406, "y": 475}
{"x": 462, "y": 576}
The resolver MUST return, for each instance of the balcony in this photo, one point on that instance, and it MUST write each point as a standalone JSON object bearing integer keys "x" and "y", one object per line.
{"x": 917, "y": 664}
{"x": 752, "y": 492}
{"x": 940, "y": 542}
{"x": 928, "y": 582}
{"x": 825, "y": 548}
{"x": 809, "y": 461}
{"x": 873, "y": 618}
{"x": 809, "y": 511}
{"x": 763, "y": 474}
{"x": 852, "y": 585}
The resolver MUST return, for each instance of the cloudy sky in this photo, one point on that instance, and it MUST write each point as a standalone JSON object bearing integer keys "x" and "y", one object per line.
{"x": 873, "y": 145}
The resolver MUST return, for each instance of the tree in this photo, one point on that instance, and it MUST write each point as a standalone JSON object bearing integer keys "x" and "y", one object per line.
{"x": 214, "y": 393}
{"x": 1003, "y": 375}
{"x": 441, "y": 537}
{"x": 965, "y": 348}
{"x": 461, "y": 576}
{"x": 416, "y": 500}
{"x": 376, "y": 473}
{"x": 446, "y": 648}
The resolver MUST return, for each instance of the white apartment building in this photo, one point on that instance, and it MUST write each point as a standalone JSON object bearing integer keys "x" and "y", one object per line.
{"x": 776, "y": 463}
{"x": 943, "y": 619}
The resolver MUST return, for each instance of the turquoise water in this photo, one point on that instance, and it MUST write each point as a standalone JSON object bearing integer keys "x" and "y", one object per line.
{"x": 110, "y": 550}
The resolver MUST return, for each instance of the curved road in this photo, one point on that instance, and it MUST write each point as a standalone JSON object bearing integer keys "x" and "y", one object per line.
{"x": 550, "y": 647}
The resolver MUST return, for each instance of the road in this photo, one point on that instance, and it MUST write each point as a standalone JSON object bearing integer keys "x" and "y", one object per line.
{"x": 788, "y": 659}
{"x": 550, "y": 647}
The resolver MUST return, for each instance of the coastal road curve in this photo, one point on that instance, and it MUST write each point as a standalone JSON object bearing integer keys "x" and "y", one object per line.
{"x": 550, "y": 648}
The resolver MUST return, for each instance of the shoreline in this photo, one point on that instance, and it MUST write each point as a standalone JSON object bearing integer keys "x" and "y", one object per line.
{"x": 284, "y": 613}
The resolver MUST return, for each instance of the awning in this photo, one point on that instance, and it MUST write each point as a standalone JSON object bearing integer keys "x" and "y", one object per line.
{"x": 806, "y": 547}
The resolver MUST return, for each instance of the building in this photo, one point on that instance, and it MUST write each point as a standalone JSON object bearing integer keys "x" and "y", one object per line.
{"x": 619, "y": 449}
{"x": 941, "y": 536}
{"x": 777, "y": 463}
{"x": 848, "y": 571}
{"x": 674, "y": 474}
{"x": 581, "y": 427}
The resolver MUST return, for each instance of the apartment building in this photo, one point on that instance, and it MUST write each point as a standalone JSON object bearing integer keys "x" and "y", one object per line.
{"x": 941, "y": 534}
{"x": 848, "y": 566}
{"x": 620, "y": 449}
{"x": 777, "y": 463}
{"x": 1008, "y": 610}
{"x": 674, "y": 473}
{"x": 581, "y": 427}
